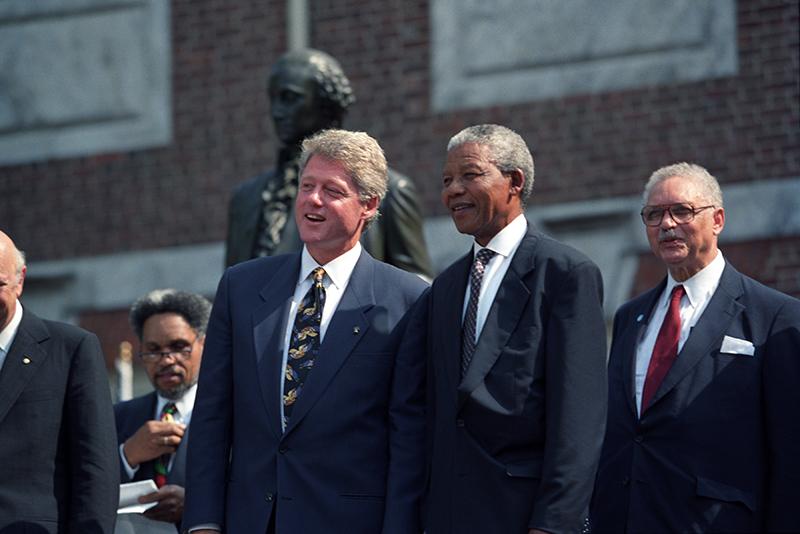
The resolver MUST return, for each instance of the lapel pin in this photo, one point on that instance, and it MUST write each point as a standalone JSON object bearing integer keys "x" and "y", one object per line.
{"x": 356, "y": 330}
{"x": 639, "y": 318}
{"x": 26, "y": 360}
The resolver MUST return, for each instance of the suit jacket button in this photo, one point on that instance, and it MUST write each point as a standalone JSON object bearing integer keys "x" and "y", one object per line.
{"x": 268, "y": 497}
{"x": 639, "y": 438}
{"x": 283, "y": 449}
{"x": 626, "y": 481}
{"x": 459, "y": 422}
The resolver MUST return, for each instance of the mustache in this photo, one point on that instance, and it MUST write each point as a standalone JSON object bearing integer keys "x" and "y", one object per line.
{"x": 664, "y": 235}
{"x": 174, "y": 368}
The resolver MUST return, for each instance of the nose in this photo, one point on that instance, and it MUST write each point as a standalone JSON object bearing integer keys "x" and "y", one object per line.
{"x": 453, "y": 188}
{"x": 667, "y": 221}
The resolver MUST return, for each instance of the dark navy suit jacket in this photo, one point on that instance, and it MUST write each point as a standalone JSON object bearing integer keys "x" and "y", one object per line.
{"x": 515, "y": 443}
{"x": 58, "y": 459}
{"x": 130, "y": 416}
{"x": 351, "y": 458}
{"x": 717, "y": 450}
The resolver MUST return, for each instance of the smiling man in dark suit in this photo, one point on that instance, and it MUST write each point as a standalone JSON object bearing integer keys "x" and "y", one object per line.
{"x": 58, "y": 460}
{"x": 306, "y": 419}
{"x": 153, "y": 429}
{"x": 516, "y": 344}
{"x": 703, "y": 422}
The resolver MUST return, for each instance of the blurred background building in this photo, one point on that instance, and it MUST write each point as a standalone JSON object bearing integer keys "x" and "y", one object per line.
{"x": 124, "y": 124}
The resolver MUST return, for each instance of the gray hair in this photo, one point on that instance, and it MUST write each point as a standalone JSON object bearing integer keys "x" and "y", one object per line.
{"x": 360, "y": 155}
{"x": 507, "y": 149}
{"x": 194, "y": 308}
{"x": 332, "y": 85}
{"x": 698, "y": 175}
{"x": 19, "y": 262}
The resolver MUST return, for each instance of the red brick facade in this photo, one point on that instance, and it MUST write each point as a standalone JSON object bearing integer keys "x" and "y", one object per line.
{"x": 743, "y": 128}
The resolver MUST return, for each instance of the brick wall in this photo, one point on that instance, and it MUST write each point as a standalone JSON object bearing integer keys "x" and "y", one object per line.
{"x": 743, "y": 128}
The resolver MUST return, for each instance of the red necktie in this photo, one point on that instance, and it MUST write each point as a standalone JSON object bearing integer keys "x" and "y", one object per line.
{"x": 665, "y": 350}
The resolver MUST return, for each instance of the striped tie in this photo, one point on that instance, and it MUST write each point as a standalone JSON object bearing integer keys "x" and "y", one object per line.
{"x": 470, "y": 318}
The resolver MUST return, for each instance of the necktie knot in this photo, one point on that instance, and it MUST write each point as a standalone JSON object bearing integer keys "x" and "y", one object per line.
{"x": 483, "y": 257}
{"x": 318, "y": 275}
{"x": 168, "y": 412}
{"x": 677, "y": 294}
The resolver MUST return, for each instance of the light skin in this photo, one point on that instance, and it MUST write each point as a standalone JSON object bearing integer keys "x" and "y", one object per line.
{"x": 482, "y": 200}
{"x": 169, "y": 375}
{"x": 329, "y": 213}
{"x": 11, "y": 282}
{"x": 684, "y": 248}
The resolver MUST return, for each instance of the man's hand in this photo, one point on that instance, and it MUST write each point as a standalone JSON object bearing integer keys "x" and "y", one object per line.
{"x": 153, "y": 439}
{"x": 170, "y": 504}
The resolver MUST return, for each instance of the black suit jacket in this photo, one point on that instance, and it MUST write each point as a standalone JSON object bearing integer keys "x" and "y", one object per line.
{"x": 717, "y": 450}
{"x": 58, "y": 460}
{"x": 396, "y": 237}
{"x": 515, "y": 443}
{"x": 352, "y": 456}
{"x": 130, "y": 416}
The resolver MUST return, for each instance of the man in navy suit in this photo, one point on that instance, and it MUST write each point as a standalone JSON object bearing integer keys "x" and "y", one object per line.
{"x": 58, "y": 461}
{"x": 516, "y": 343}
{"x": 307, "y": 420}
{"x": 152, "y": 430}
{"x": 703, "y": 423}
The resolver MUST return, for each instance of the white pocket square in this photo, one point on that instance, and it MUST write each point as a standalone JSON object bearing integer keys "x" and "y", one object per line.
{"x": 734, "y": 345}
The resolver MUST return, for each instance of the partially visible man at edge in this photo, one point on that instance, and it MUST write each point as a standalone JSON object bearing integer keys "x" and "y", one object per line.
{"x": 307, "y": 419}
{"x": 153, "y": 429}
{"x": 516, "y": 345}
{"x": 58, "y": 458}
{"x": 704, "y": 384}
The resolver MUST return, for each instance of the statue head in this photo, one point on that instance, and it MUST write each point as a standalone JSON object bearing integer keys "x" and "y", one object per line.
{"x": 308, "y": 92}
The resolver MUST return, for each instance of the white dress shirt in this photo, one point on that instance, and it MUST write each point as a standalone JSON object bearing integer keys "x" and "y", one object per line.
{"x": 183, "y": 414}
{"x": 8, "y": 333}
{"x": 337, "y": 276}
{"x": 699, "y": 290}
{"x": 505, "y": 244}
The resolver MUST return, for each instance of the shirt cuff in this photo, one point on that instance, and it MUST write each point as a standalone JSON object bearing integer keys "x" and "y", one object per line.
{"x": 131, "y": 471}
{"x": 206, "y": 526}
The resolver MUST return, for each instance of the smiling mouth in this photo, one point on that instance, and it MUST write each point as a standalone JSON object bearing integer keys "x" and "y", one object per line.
{"x": 313, "y": 217}
{"x": 460, "y": 207}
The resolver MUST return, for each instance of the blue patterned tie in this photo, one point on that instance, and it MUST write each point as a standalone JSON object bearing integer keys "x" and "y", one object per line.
{"x": 470, "y": 318}
{"x": 304, "y": 342}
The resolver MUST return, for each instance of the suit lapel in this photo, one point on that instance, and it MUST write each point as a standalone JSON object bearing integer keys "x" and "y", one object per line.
{"x": 348, "y": 325}
{"x": 633, "y": 332}
{"x": 16, "y": 373}
{"x": 504, "y": 314}
{"x": 269, "y": 322}
{"x": 451, "y": 332}
{"x": 708, "y": 331}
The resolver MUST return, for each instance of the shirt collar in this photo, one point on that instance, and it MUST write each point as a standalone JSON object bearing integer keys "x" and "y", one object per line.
{"x": 184, "y": 404}
{"x": 338, "y": 270}
{"x": 506, "y": 240}
{"x": 702, "y": 283}
{"x": 10, "y": 331}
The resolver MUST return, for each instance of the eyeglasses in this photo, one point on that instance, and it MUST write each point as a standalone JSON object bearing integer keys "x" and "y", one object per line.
{"x": 680, "y": 213}
{"x": 177, "y": 350}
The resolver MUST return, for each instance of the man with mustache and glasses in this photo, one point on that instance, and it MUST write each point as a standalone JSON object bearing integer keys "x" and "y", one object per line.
{"x": 703, "y": 420}
{"x": 152, "y": 430}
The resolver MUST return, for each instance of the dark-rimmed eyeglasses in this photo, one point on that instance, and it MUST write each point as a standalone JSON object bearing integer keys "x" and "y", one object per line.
{"x": 177, "y": 350}
{"x": 680, "y": 213}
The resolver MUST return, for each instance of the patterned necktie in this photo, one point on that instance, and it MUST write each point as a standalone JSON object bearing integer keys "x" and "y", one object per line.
{"x": 470, "y": 318}
{"x": 304, "y": 342}
{"x": 665, "y": 351}
{"x": 162, "y": 463}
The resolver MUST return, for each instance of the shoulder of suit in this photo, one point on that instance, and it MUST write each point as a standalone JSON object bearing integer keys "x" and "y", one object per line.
{"x": 135, "y": 405}
{"x": 756, "y": 292}
{"x": 402, "y": 280}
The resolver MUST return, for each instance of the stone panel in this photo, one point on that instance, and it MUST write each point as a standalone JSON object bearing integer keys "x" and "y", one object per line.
{"x": 508, "y": 51}
{"x": 82, "y": 77}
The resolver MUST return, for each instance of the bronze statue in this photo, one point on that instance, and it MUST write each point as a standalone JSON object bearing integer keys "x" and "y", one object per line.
{"x": 309, "y": 92}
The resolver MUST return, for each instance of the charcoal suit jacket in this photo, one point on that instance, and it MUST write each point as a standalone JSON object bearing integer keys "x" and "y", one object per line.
{"x": 58, "y": 457}
{"x": 515, "y": 442}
